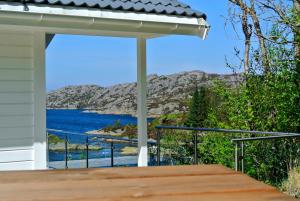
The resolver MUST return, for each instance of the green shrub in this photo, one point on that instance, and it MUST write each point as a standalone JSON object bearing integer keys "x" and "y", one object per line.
{"x": 117, "y": 125}
{"x": 216, "y": 148}
{"x": 177, "y": 147}
{"x": 53, "y": 139}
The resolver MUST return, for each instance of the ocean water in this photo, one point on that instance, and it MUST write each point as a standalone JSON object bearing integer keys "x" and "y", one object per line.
{"x": 75, "y": 122}
{"x": 79, "y": 121}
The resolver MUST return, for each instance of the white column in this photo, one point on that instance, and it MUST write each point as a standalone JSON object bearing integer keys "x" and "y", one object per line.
{"x": 141, "y": 102}
{"x": 40, "y": 145}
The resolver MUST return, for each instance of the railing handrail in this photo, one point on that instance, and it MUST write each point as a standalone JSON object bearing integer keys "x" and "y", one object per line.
{"x": 265, "y": 138}
{"x": 239, "y": 142}
{"x": 220, "y": 130}
{"x": 98, "y": 136}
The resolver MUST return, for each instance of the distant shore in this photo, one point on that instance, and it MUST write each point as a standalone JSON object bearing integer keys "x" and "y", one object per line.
{"x": 116, "y": 133}
{"x": 60, "y": 147}
{"x": 87, "y": 110}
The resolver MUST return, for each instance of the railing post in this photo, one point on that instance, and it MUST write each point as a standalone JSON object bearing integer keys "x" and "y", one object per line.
{"x": 48, "y": 149}
{"x": 158, "y": 147}
{"x": 195, "y": 148}
{"x": 242, "y": 156}
{"x": 66, "y": 152}
{"x": 87, "y": 152}
{"x": 236, "y": 157}
{"x": 239, "y": 156}
{"x": 112, "y": 153}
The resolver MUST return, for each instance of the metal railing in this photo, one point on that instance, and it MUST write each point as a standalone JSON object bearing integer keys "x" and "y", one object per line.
{"x": 239, "y": 154}
{"x": 240, "y": 148}
{"x": 88, "y": 139}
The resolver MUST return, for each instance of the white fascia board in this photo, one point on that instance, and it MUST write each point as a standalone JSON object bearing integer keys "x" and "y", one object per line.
{"x": 133, "y": 23}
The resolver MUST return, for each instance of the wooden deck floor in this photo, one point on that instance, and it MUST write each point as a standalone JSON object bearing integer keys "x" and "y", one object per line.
{"x": 184, "y": 183}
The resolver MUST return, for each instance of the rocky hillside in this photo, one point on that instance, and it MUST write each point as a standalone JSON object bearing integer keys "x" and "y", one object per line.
{"x": 166, "y": 94}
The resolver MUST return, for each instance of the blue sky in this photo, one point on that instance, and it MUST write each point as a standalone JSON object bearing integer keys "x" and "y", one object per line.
{"x": 75, "y": 60}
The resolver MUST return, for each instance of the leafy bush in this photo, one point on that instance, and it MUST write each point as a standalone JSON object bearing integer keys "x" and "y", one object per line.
{"x": 177, "y": 147}
{"x": 268, "y": 102}
{"x": 216, "y": 148}
{"x": 130, "y": 131}
{"x": 53, "y": 139}
{"x": 117, "y": 125}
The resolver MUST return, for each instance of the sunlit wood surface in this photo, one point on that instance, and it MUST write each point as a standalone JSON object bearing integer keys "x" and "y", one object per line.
{"x": 186, "y": 183}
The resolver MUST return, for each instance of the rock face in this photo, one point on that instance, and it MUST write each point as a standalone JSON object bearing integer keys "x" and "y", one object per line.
{"x": 166, "y": 94}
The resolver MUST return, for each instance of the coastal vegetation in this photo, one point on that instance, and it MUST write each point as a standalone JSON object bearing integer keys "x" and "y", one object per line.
{"x": 129, "y": 150}
{"x": 54, "y": 139}
{"x": 57, "y": 144}
{"x": 60, "y": 147}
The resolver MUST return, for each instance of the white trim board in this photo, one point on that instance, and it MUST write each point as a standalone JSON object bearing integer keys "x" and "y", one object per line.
{"x": 59, "y": 19}
{"x": 98, "y": 13}
{"x": 40, "y": 139}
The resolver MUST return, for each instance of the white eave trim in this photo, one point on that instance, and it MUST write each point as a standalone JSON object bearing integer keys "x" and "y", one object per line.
{"x": 130, "y": 23}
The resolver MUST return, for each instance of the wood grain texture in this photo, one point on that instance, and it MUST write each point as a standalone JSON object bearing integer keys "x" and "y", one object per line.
{"x": 186, "y": 183}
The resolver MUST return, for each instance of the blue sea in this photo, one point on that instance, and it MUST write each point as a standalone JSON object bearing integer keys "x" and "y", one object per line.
{"x": 79, "y": 121}
{"x": 76, "y": 122}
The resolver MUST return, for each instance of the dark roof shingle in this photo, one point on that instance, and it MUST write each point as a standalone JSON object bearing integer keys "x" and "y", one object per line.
{"x": 165, "y": 7}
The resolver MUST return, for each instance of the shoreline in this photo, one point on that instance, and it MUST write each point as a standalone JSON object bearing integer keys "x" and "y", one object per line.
{"x": 95, "y": 111}
{"x": 118, "y": 133}
{"x": 60, "y": 147}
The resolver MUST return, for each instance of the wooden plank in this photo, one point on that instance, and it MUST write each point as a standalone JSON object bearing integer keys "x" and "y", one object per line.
{"x": 16, "y": 121}
{"x": 16, "y": 155}
{"x": 16, "y": 109}
{"x": 21, "y": 143}
{"x": 16, "y": 63}
{"x": 15, "y": 39}
{"x": 16, "y": 98}
{"x": 155, "y": 183}
{"x": 21, "y": 165}
{"x": 16, "y": 51}
{"x": 180, "y": 185}
{"x": 16, "y": 74}
{"x": 16, "y": 86}
{"x": 124, "y": 173}
{"x": 15, "y": 32}
{"x": 16, "y": 132}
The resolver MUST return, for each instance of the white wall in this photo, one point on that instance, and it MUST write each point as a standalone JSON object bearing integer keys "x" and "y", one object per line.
{"x": 22, "y": 132}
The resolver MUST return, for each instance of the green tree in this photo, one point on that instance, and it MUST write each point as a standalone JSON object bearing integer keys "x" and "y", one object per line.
{"x": 266, "y": 102}
{"x": 198, "y": 109}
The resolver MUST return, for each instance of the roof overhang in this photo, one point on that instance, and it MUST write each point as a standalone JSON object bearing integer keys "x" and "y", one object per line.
{"x": 88, "y": 21}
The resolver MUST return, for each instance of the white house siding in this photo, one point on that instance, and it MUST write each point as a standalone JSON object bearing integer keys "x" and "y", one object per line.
{"x": 19, "y": 100}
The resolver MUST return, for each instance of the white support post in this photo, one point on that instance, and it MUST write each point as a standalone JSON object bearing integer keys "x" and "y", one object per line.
{"x": 40, "y": 145}
{"x": 141, "y": 102}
